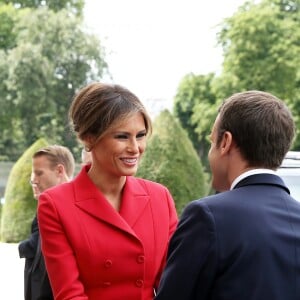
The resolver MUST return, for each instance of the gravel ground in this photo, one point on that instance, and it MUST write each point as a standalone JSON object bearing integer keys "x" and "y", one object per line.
{"x": 11, "y": 273}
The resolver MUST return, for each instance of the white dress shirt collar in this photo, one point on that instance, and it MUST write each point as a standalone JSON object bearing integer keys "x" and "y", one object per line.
{"x": 249, "y": 173}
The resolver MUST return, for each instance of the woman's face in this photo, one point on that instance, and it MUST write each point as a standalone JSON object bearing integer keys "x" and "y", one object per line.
{"x": 118, "y": 152}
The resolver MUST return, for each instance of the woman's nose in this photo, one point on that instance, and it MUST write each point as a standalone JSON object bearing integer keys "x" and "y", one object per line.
{"x": 133, "y": 146}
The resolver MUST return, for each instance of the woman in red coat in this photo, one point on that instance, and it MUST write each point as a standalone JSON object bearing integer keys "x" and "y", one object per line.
{"x": 105, "y": 234}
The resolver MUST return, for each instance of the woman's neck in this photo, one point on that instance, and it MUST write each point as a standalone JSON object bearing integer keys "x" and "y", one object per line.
{"x": 111, "y": 187}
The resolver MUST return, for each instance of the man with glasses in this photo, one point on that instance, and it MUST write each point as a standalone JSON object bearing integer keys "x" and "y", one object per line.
{"x": 51, "y": 166}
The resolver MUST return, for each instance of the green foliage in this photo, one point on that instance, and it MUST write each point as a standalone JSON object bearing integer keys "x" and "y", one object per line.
{"x": 194, "y": 106}
{"x": 74, "y": 6}
{"x": 170, "y": 159}
{"x": 20, "y": 206}
{"x": 54, "y": 56}
{"x": 8, "y": 16}
{"x": 261, "y": 51}
{"x": 259, "y": 48}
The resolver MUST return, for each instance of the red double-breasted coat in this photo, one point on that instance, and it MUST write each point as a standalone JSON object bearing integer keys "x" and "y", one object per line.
{"x": 93, "y": 251}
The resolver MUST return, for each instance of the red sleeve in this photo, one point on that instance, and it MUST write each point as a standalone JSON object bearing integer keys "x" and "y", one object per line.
{"x": 59, "y": 257}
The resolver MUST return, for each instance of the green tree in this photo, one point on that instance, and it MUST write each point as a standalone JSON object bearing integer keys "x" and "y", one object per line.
{"x": 261, "y": 51}
{"x": 54, "y": 57}
{"x": 75, "y": 6}
{"x": 260, "y": 44}
{"x": 171, "y": 160}
{"x": 8, "y": 17}
{"x": 20, "y": 206}
{"x": 194, "y": 106}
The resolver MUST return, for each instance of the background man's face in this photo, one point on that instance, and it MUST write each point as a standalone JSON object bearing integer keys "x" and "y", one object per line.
{"x": 43, "y": 176}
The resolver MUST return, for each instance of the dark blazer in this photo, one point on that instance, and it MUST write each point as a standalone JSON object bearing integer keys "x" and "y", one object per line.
{"x": 36, "y": 282}
{"x": 238, "y": 245}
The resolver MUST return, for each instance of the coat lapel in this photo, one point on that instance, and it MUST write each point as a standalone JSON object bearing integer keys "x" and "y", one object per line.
{"x": 134, "y": 201}
{"x": 91, "y": 200}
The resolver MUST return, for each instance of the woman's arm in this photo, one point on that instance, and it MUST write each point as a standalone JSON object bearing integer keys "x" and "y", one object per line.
{"x": 59, "y": 256}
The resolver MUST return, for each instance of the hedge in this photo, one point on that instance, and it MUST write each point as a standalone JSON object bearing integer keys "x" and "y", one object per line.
{"x": 171, "y": 159}
{"x": 19, "y": 207}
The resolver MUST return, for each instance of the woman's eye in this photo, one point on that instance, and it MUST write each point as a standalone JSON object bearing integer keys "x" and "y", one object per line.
{"x": 121, "y": 136}
{"x": 141, "y": 135}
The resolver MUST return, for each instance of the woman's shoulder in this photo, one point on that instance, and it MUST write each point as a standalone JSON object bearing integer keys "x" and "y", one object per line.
{"x": 149, "y": 184}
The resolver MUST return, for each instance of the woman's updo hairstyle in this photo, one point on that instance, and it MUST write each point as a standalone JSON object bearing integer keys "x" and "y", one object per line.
{"x": 99, "y": 106}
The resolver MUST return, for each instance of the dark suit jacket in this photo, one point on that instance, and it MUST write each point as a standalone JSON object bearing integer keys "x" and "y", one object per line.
{"x": 238, "y": 245}
{"x": 36, "y": 282}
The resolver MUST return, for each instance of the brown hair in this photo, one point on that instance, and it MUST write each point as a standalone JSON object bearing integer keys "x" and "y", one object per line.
{"x": 99, "y": 106}
{"x": 261, "y": 125}
{"x": 56, "y": 155}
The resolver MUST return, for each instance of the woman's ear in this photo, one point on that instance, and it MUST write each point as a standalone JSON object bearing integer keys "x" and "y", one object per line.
{"x": 89, "y": 142}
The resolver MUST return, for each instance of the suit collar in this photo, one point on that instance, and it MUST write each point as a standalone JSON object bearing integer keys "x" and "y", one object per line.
{"x": 90, "y": 199}
{"x": 262, "y": 179}
{"x": 248, "y": 173}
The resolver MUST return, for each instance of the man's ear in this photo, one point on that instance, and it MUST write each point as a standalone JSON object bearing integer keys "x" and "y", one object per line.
{"x": 226, "y": 142}
{"x": 60, "y": 169}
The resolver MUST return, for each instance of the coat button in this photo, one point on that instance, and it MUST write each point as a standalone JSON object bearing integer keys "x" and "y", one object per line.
{"x": 140, "y": 259}
{"x": 139, "y": 283}
{"x": 108, "y": 263}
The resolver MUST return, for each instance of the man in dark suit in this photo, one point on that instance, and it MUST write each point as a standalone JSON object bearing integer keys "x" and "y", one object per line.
{"x": 244, "y": 242}
{"x": 51, "y": 166}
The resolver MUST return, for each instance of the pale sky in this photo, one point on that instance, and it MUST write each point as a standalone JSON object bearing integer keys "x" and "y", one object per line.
{"x": 153, "y": 44}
